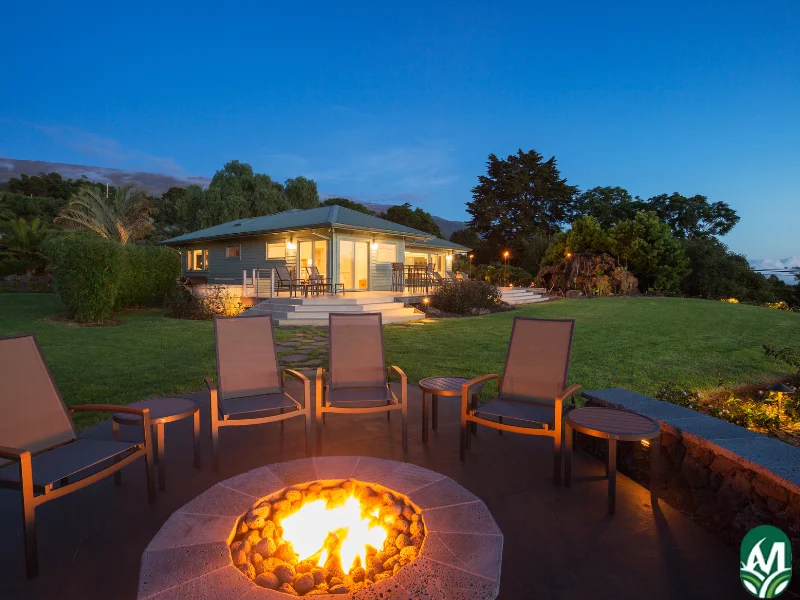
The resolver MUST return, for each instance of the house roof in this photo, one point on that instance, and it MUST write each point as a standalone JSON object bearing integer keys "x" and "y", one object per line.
{"x": 440, "y": 243}
{"x": 291, "y": 220}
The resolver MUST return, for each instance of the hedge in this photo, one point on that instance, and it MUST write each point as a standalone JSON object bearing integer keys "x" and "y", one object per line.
{"x": 147, "y": 276}
{"x": 95, "y": 277}
{"x": 463, "y": 296}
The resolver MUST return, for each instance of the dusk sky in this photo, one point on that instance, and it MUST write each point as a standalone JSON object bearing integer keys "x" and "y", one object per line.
{"x": 393, "y": 102}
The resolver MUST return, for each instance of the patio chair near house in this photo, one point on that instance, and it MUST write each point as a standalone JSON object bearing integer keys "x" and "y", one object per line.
{"x": 41, "y": 454}
{"x": 358, "y": 380}
{"x": 321, "y": 283}
{"x": 532, "y": 390}
{"x": 452, "y": 276}
{"x": 250, "y": 388}
{"x": 286, "y": 282}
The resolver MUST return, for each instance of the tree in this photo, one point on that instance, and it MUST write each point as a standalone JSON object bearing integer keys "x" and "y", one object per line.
{"x": 268, "y": 196}
{"x": 519, "y": 198}
{"x": 187, "y": 208}
{"x": 47, "y": 185}
{"x": 609, "y": 205}
{"x": 349, "y": 204}
{"x": 22, "y": 241}
{"x": 302, "y": 192}
{"x": 221, "y": 206}
{"x": 647, "y": 248}
{"x": 124, "y": 216}
{"x": 415, "y": 218}
{"x": 693, "y": 217}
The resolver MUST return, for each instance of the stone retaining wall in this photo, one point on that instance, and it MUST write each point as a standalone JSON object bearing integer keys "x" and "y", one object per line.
{"x": 727, "y": 478}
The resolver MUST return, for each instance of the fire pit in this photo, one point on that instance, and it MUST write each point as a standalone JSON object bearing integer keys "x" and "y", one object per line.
{"x": 327, "y": 527}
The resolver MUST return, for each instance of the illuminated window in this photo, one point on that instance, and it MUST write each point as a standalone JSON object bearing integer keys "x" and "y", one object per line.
{"x": 233, "y": 252}
{"x": 198, "y": 260}
{"x": 277, "y": 250}
{"x": 386, "y": 252}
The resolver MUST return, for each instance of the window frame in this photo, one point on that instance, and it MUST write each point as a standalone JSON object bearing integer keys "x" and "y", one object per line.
{"x": 378, "y": 251}
{"x": 281, "y": 244}
{"x": 238, "y": 248}
{"x": 190, "y": 256}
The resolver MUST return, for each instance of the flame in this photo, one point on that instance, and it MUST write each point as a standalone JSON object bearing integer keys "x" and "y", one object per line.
{"x": 308, "y": 529}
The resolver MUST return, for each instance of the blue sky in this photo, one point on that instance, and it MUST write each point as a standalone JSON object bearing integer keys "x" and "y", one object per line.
{"x": 390, "y": 102}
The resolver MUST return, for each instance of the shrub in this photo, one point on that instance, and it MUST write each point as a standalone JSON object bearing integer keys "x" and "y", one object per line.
{"x": 463, "y": 296}
{"x": 148, "y": 274}
{"x": 86, "y": 270}
{"x": 503, "y": 275}
{"x": 180, "y": 303}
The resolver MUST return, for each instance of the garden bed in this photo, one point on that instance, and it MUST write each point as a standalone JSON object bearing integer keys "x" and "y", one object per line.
{"x": 435, "y": 313}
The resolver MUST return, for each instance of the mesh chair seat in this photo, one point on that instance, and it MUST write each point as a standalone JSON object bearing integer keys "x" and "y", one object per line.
{"x": 68, "y": 460}
{"x": 253, "y": 407}
{"x": 362, "y": 397}
{"x": 518, "y": 410}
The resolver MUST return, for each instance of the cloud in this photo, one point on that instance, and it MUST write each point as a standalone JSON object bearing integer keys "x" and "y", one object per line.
{"x": 109, "y": 150}
{"x": 779, "y": 264}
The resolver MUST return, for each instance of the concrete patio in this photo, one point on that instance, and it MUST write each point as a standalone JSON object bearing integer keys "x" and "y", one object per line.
{"x": 559, "y": 543}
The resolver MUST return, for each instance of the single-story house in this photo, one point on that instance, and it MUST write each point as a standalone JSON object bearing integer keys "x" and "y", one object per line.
{"x": 347, "y": 246}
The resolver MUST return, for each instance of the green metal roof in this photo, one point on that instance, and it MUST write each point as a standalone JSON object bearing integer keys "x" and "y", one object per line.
{"x": 290, "y": 220}
{"x": 440, "y": 243}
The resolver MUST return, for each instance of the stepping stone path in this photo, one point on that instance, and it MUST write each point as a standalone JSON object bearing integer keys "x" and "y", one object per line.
{"x": 304, "y": 350}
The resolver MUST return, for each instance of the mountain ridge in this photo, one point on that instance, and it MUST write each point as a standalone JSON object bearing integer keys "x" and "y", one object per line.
{"x": 154, "y": 183}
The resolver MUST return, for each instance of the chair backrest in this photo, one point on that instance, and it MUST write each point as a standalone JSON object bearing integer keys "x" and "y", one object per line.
{"x": 452, "y": 276}
{"x": 437, "y": 276}
{"x": 356, "y": 350}
{"x": 397, "y": 266}
{"x": 538, "y": 358}
{"x": 313, "y": 273}
{"x": 247, "y": 363}
{"x": 33, "y": 416}
{"x": 283, "y": 274}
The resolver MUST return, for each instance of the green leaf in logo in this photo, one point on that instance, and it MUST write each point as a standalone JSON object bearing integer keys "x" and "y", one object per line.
{"x": 765, "y": 561}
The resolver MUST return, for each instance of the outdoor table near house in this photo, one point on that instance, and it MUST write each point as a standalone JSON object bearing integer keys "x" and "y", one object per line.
{"x": 615, "y": 426}
{"x": 162, "y": 411}
{"x": 441, "y": 386}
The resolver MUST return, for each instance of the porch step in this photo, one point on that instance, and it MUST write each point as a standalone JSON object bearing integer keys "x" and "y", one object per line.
{"x": 520, "y": 295}
{"x": 316, "y": 310}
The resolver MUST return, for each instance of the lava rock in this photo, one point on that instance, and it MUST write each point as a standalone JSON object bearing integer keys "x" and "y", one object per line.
{"x": 270, "y": 564}
{"x": 288, "y": 589}
{"x": 243, "y": 545}
{"x": 402, "y": 541}
{"x": 294, "y": 495}
{"x": 268, "y": 580}
{"x": 257, "y": 517}
{"x": 286, "y": 553}
{"x": 239, "y": 557}
{"x": 358, "y": 574}
{"x": 248, "y": 570}
{"x": 268, "y": 530}
{"x": 253, "y": 536}
{"x": 415, "y": 529}
{"x": 285, "y": 572}
{"x": 304, "y": 583}
{"x": 319, "y": 575}
{"x": 266, "y": 547}
{"x": 339, "y": 589}
{"x": 408, "y": 553}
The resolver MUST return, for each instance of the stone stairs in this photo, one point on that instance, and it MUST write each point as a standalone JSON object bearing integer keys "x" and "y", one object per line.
{"x": 521, "y": 295}
{"x": 315, "y": 310}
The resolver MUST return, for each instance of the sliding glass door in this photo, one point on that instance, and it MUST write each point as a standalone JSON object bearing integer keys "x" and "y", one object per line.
{"x": 312, "y": 253}
{"x": 354, "y": 264}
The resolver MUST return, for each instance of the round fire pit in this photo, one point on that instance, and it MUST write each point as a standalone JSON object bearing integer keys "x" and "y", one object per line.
{"x": 329, "y": 527}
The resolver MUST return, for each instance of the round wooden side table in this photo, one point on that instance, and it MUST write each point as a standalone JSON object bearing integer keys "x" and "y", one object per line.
{"x": 615, "y": 426}
{"x": 441, "y": 386}
{"x": 162, "y": 411}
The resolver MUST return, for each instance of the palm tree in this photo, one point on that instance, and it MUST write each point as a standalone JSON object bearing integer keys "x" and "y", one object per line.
{"x": 125, "y": 216}
{"x": 22, "y": 241}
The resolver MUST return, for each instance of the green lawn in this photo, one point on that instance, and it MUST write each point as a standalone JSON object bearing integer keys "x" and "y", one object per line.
{"x": 637, "y": 343}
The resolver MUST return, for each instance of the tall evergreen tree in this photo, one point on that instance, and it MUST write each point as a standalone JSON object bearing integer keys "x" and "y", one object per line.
{"x": 519, "y": 198}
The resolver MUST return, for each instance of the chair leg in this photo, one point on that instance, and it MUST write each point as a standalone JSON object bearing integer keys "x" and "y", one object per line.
{"x": 468, "y": 434}
{"x": 557, "y": 456}
{"x": 214, "y": 444}
{"x": 148, "y": 465}
{"x": 500, "y": 420}
{"x": 568, "y": 438}
{"x": 197, "y": 440}
{"x": 319, "y": 431}
{"x": 655, "y": 469}
{"x": 462, "y": 451}
{"x": 29, "y": 517}
{"x": 308, "y": 424}
{"x": 612, "y": 476}
{"x": 473, "y": 425}
{"x": 282, "y": 423}
{"x": 161, "y": 449}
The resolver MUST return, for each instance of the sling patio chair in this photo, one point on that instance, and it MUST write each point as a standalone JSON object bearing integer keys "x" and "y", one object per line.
{"x": 285, "y": 281}
{"x": 41, "y": 454}
{"x": 358, "y": 381}
{"x": 320, "y": 282}
{"x": 251, "y": 388}
{"x": 531, "y": 392}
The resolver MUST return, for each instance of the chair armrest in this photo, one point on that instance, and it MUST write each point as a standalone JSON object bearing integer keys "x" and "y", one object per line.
{"x": 465, "y": 387}
{"x": 397, "y": 370}
{"x": 109, "y": 408}
{"x": 15, "y": 454}
{"x": 212, "y": 387}
{"x": 295, "y": 374}
{"x": 568, "y": 393}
